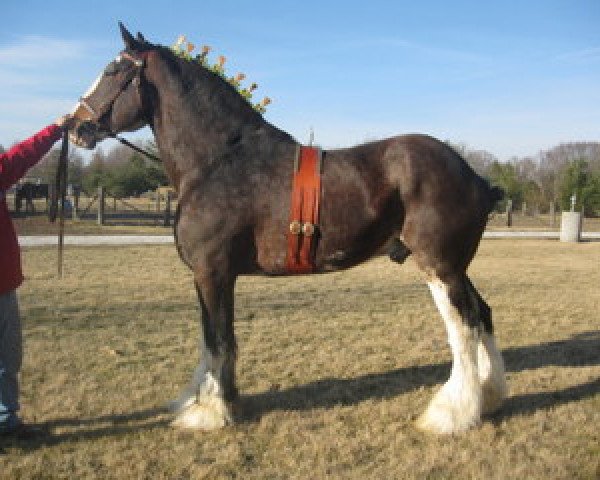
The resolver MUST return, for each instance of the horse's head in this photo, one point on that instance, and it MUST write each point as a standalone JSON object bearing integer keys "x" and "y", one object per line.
{"x": 115, "y": 102}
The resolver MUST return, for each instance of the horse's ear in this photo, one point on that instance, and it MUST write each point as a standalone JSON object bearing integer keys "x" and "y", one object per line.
{"x": 140, "y": 38}
{"x": 130, "y": 42}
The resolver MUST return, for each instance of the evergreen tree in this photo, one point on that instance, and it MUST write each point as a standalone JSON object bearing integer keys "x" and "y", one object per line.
{"x": 585, "y": 185}
{"x": 505, "y": 176}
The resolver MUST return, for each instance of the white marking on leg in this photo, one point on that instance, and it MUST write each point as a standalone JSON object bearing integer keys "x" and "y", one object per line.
{"x": 457, "y": 405}
{"x": 201, "y": 405}
{"x": 491, "y": 373}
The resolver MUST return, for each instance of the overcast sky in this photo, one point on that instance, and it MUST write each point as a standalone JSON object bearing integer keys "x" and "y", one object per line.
{"x": 510, "y": 77}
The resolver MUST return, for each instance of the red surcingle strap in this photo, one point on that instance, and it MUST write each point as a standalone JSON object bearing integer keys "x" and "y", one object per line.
{"x": 304, "y": 211}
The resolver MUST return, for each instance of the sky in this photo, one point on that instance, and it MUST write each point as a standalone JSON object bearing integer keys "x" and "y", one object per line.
{"x": 510, "y": 77}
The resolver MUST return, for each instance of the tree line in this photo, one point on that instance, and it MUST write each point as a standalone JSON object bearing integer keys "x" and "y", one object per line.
{"x": 121, "y": 171}
{"x": 537, "y": 182}
{"x": 551, "y": 177}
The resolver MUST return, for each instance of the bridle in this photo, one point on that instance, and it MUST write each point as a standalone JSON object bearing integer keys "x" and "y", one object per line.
{"x": 98, "y": 112}
{"x": 133, "y": 76}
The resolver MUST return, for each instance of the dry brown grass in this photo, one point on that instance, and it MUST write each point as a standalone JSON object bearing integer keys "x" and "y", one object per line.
{"x": 333, "y": 370}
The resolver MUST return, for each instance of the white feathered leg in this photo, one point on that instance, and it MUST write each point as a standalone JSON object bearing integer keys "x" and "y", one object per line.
{"x": 201, "y": 405}
{"x": 457, "y": 406}
{"x": 190, "y": 392}
{"x": 491, "y": 373}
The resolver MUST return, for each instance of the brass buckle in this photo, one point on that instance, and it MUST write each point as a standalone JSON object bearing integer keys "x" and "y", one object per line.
{"x": 308, "y": 229}
{"x": 295, "y": 227}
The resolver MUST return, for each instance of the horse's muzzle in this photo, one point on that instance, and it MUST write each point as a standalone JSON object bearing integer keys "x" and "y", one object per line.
{"x": 86, "y": 134}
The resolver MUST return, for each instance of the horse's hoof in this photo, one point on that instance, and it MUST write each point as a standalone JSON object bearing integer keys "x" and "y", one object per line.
{"x": 210, "y": 414}
{"x": 447, "y": 415}
{"x": 444, "y": 421}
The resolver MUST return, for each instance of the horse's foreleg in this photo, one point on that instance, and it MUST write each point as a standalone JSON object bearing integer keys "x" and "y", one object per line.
{"x": 206, "y": 403}
{"x": 457, "y": 406}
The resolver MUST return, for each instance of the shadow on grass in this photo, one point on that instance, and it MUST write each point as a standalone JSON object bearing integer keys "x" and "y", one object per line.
{"x": 578, "y": 351}
{"x": 113, "y": 419}
{"x": 532, "y": 402}
{"x": 97, "y": 427}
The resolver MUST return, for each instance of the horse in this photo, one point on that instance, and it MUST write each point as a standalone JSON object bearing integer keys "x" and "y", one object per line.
{"x": 28, "y": 191}
{"x": 232, "y": 172}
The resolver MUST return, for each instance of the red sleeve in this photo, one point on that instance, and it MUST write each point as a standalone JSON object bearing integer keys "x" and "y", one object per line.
{"x": 20, "y": 158}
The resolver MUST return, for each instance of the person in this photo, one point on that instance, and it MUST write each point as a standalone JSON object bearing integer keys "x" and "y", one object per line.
{"x": 13, "y": 166}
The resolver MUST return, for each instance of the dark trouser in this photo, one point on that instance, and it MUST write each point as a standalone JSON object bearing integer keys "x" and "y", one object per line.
{"x": 11, "y": 354}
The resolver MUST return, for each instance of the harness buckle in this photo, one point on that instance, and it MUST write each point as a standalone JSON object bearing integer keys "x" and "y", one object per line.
{"x": 308, "y": 229}
{"x": 296, "y": 227}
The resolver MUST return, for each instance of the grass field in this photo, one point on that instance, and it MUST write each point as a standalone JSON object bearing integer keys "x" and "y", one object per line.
{"x": 333, "y": 370}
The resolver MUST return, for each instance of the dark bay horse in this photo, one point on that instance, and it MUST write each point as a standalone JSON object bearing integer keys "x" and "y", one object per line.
{"x": 233, "y": 175}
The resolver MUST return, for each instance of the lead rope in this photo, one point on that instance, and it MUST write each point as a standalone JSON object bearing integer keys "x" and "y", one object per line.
{"x": 60, "y": 192}
{"x": 134, "y": 147}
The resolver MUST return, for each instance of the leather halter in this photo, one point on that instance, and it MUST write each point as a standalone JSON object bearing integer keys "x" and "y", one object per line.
{"x": 303, "y": 231}
{"x": 98, "y": 112}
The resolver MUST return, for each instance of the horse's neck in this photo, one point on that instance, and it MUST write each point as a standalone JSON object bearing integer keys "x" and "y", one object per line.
{"x": 192, "y": 134}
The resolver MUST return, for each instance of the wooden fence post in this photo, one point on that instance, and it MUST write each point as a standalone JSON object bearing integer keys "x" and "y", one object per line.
{"x": 167, "y": 219}
{"x": 100, "y": 205}
{"x": 76, "y": 194}
{"x": 509, "y": 213}
{"x": 72, "y": 196}
{"x": 51, "y": 188}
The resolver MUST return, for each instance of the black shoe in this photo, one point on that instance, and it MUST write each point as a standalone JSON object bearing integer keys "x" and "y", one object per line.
{"x": 23, "y": 431}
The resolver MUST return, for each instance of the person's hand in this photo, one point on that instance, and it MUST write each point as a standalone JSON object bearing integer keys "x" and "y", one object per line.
{"x": 66, "y": 121}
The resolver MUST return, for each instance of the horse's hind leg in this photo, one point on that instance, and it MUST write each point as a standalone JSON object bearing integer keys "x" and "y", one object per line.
{"x": 457, "y": 406}
{"x": 477, "y": 384}
{"x": 489, "y": 360}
